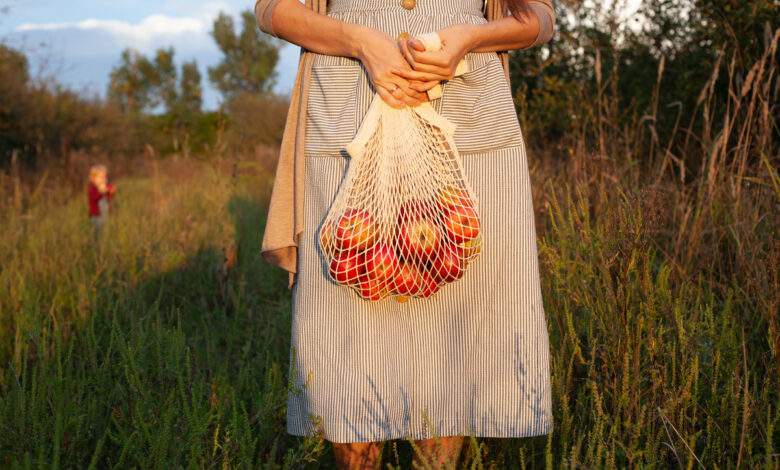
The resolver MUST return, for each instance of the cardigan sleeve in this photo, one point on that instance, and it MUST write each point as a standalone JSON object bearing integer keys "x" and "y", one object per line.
{"x": 544, "y": 11}
{"x": 264, "y": 10}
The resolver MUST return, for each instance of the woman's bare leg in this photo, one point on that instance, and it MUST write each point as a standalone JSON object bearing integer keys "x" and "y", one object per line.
{"x": 442, "y": 452}
{"x": 357, "y": 455}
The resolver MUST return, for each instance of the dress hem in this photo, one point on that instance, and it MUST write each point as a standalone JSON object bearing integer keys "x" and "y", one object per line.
{"x": 456, "y": 429}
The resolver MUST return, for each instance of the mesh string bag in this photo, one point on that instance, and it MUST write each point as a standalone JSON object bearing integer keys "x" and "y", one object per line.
{"x": 405, "y": 221}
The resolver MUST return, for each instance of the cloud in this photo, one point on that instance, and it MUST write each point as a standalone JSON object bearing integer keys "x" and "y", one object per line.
{"x": 81, "y": 53}
{"x": 143, "y": 35}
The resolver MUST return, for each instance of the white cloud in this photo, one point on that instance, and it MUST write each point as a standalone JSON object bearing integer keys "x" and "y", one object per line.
{"x": 82, "y": 52}
{"x": 144, "y": 34}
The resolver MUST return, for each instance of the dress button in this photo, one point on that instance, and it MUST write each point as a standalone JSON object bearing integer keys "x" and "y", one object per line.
{"x": 408, "y": 4}
{"x": 403, "y": 36}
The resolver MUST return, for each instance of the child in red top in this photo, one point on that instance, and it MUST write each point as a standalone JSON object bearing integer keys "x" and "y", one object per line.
{"x": 99, "y": 193}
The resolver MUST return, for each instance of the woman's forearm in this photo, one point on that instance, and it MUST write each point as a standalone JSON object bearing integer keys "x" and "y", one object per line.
{"x": 295, "y": 23}
{"x": 321, "y": 34}
{"x": 509, "y": 33}
{"x": 504, "y": 34}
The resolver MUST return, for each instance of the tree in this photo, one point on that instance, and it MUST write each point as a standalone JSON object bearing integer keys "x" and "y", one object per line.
{"x": 140, "y": 85}
{"x": 249, "y": 61}
{"x": 14, "y": 94}
{"x": 190, "y": 98}
{"x": 165, "y": 79}
{"x": 132, "y": 82}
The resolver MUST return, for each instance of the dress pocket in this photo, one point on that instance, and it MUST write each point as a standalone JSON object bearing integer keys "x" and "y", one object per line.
{"x": 480, "y": 104}
{"x": 337, "y": 93}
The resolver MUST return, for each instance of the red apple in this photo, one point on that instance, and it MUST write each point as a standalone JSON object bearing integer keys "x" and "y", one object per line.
{"x": 373, "y": 289}
{"x": 407, "y": 280}
{"x": 410, "y": 210}
{"x": 429, "y": 286}
{"x": 381, "y": 261}
{"x": 419, "y": 238}
{"x": 448, "y": 265}
{"x": 461, "y": 223}
{"x": 348, "y": 267}
{"x": 356, "y": 230}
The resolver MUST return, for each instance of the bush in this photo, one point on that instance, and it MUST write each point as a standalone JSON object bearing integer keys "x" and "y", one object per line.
{"x": 256, "y": 120}
{"x": 41, "y": 121}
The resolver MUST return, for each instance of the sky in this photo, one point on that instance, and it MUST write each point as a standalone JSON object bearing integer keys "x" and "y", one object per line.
{"x": 78, "y": 42}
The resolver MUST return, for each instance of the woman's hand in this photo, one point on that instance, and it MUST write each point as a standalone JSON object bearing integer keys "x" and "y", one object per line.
{"x": 403, "y": 42}
{"x": 431, "y": 67}
{"x": 383, "y": 62}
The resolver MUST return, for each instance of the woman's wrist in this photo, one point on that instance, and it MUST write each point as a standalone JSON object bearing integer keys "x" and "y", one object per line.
{"x": 354, "y": 36}
{"x": 468, "y": 35}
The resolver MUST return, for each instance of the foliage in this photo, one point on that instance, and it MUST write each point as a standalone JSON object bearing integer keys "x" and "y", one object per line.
{"x": 190, "y": 98}
{"x": 140, "y": 85}
{"x": 41, "y": 120}
{"x": 15, "y": 77}
{"x": 153, "y": 104}
{"x": 166, "y": 344}
{"x": 249, "y": 58}
{"x": 654, "y": 160}
{"x": 246, "y": 127}
{"x": 652, "y": 67}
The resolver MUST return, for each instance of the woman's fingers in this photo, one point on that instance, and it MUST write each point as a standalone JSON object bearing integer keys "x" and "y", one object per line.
{"x": 430, "y": 57}
{"x": 423, "y": 87}
{"x": 389, "y": 98}
{"x": 401, "y": 92}
{"x": 420, "y": 97}
{"x": 401, "y": 86}
{"x": 434, "y": 63}
{"x": 416, "y": 44}
{"x": 440, "y": 73}
{"x": 401, "y": 100}
{"x": 415, "y": 75}
{"x": 403, "y": 45}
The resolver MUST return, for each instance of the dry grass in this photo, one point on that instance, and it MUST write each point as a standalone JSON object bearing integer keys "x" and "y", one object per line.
{"x": 161, "y": 347}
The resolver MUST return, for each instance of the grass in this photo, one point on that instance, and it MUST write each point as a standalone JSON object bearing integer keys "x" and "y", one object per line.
{"x": 166, "y": 344}
{"x": 144, "y": 349}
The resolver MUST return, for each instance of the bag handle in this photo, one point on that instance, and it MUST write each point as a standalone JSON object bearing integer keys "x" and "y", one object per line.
{"x": 378, "y": 108}
{"x": 432, "y": 42}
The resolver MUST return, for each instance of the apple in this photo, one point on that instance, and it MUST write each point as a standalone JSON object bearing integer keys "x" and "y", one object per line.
{"x": 429, "y": 286}
{"x": 419, "y": 209}
{"x": 461, "y": 223}
{"x": 407, "y": 280}
{"x": 347, "y": 267}
{"x": 356, "y": 230}
{"x": 452, "y": 196}
{"x": 373, "y": 289}
{"x": 381, "y": 261}
{"x": 469, "y": 248}
{"x": 419, "y": 238}
{"x": 448, "y": 265}
{"x": 410, "y": 210}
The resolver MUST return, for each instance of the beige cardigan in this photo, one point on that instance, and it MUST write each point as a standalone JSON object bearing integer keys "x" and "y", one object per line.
{"x": 284, "y": 223}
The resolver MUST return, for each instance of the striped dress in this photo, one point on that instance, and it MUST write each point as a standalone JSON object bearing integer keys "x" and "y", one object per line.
{"x": 474, "y": 358}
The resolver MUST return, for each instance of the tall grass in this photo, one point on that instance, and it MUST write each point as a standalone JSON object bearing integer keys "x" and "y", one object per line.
{"x": 166, "y": 343}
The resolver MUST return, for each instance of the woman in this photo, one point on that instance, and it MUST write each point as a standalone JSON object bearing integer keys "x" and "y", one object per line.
{"x": 474, "y": 358}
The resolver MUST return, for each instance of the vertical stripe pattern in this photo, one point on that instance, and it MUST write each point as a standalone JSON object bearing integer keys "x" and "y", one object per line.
{"x": 474, "y": 358}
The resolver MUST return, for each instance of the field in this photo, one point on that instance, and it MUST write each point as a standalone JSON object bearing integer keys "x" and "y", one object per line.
{"x": 166, "y": 343}
{"x": 155, "y": 347}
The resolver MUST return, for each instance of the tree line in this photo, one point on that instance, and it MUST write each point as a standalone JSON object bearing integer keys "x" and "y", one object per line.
{"x": 602, "y": 78}
{"x": 664, "y": 73}
{"x": 150, "y": 102}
